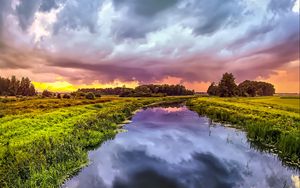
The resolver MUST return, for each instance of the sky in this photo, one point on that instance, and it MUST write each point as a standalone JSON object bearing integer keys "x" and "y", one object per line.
{"x": 62, "y": 45}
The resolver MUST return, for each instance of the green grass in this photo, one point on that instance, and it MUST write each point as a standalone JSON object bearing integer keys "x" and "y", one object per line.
{"x": 283, "y": 102}
{"x": 42, "y": 146}
{"x": 45, "y": 141}
{"x": 14, "y": 106}
{"x": 272, "y": 121}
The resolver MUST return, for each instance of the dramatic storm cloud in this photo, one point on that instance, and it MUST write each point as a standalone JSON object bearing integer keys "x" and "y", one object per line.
{"x": 191, "y": 42}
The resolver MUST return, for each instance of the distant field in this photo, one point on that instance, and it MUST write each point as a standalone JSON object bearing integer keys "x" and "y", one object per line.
{"x": 292, "y": 102}
{"x": 43, "y": 141}
{"x": 14, "y": 106}
{"x": 272, "y": 121}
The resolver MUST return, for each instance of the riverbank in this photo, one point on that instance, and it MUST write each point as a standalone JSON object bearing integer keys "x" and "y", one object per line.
{"x": 44, "y": 144}
{"x": 270, "y": 121}
{"x": 171, "y": 146}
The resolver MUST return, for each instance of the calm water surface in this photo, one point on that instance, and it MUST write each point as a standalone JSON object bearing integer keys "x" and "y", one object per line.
{"x": 174, "y": 147}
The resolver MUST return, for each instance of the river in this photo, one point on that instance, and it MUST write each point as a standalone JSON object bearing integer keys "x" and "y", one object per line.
{"x": 173, "y": 147}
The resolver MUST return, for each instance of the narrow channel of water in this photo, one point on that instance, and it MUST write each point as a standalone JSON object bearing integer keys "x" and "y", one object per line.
{"x": 174, "y": 147}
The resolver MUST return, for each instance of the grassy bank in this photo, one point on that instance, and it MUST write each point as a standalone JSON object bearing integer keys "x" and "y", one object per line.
{"x": 272, "y": 121}
{"x": 41, "y": 146}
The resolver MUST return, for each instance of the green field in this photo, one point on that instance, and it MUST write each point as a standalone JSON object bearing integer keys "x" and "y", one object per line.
{"x": 272, "y": 122}
{"x": 44, "y": 141}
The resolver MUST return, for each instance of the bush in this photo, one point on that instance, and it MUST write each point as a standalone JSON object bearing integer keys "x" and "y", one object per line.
{"x": 90, "y": 96}
{"x": 80, "y": 94}
{"x": 67, "y": 96}
{"x": 58, "y": 96}
{"x": 47, "y": 93}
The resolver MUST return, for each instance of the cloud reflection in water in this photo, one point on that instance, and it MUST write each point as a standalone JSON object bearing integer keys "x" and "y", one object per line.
{"x": 174, "y": 147}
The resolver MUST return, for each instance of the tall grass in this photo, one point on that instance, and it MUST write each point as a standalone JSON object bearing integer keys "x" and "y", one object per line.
{"x": 42, "y": 149}
{"x": 274, "y": 126}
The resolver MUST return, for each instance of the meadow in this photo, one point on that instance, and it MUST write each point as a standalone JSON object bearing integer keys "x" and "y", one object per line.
{"x": 45, "y": 141}
{"x": 270, "y": 122}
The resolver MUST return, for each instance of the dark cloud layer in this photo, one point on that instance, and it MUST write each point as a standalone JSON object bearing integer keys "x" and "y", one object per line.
{"x": 4, "y": 8}
{"x": 147, "y": 41}
{"x": 216, "y": 173}
{"x": 79, "y": 14}
{"x": 279, "y": 5}
{"x": 140, "y": 17}
{"x": 208, "y": 16}
{"x": 146, "y": 8}
{"x": 48, "y": 5}
{"x": 25, "y": 12}
{"x": 215, "y": 16}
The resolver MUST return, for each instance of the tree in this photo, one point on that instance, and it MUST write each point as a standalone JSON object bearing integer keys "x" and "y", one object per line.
{"x": 90, "y": 96}
{"x": 14, "y": 85}
{"x": 47, "y": 93}
{"x": 79, "y": 94}
{"x": 24, "y": 87}
{"x": 67, "y": 96}
{"x": 247, "y": 88}
{"x": 4, "y": 84}
{"x": 32, "y": 91}
{"x": 265, "y": 89}
{"x": 213, "y": 89}
{"x": 142, "y": 89}
{"x": 227, "y": 85}
{"x": 254, "y": 88}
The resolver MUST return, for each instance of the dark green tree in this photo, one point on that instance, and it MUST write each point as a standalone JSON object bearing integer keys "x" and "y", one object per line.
{"x": 66, "y": 96}
{"x": 227, "y": 86}
{"x": 213, "y": 89}
{"x": 265, "y": 89}
{"x": 247, "y": 88}
{"x": 31, "y": 90}
{"x": 47, "y": 93}
{"x": 4, "y": 85}
{"x": 90, "y": 96}
{"x": 14, "y": 85}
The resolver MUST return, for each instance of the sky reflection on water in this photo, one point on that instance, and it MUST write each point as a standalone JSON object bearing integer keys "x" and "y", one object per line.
{"x": 174, "y": 147}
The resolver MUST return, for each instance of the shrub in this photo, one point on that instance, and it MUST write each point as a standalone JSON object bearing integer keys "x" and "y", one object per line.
{"x": 90, "y": 96}
{"x": 67, "y": 96}
{"x": 47, "y": 93}
{"x": 80, "y": 94}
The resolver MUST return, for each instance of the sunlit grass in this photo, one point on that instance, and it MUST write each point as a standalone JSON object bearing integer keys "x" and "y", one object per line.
{"x": 41, "y": 147}
{"x": 272, "y": 121}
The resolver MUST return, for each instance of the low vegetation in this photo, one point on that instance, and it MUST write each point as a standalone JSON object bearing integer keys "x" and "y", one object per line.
{"x": 41, "y": 146}
{"x": 19, "y": 106}
{"x": 271, "y": 121}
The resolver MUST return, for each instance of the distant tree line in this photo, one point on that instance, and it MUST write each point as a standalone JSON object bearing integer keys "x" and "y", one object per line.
{"x": 104, "y": 91}
{"x": 72, "y": 95}
{"x": 14, "y": 87}
{"x": 151, "y": 90}
{"x": 228, "y": 88}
